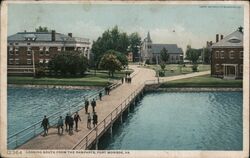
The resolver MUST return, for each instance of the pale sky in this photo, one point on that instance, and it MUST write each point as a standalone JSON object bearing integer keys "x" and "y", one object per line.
{"x": 193, "y": 24}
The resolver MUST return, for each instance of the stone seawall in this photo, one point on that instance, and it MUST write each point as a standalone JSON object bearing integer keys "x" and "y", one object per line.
{"x": 195, "y": 89}
{"x": 56, "y": 86}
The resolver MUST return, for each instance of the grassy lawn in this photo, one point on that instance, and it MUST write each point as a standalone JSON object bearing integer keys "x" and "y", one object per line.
{"x": 203, "y": 81}
{"x": 175, "y": 69}
{"x": 100, "y": 79}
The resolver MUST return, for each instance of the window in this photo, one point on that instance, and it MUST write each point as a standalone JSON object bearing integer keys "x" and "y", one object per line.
{"x": 16, "y": 53}
{"x": 16, "y": 43}
{"x": 172, "y": 57}
{"x": 241, "y": 54}
{"x": 28, "y": 51}
{"x": 177, "y": 58}
{"x": 241, "y": 68}
{"x": 41, "y": 49}
{"x": 11, "y": 43}
{"x": 41, "y": 53}
{"x": 222, "y": 54}
{"x": 46, "y": 61}
{"x": 10, "y": 61}
{"x": 28, "y": 61}
{"x": 231, "y": 54}
{"x": 216, "y": 54}
{"x": 59, "y": 49}
{"x": 28, "y": 43}
{"x": 47, "y": 53}
{"x": 17, "y": 61}
{"x": 40, "y": 60}
{"x": 11, "y": 52}
{"x": 16, "y": 49}
{"x": 149, "y": 46}
{"x": 217, "y": 68}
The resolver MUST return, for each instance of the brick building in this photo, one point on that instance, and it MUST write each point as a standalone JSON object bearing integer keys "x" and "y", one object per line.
{"x": 227, "y": 56}
{"x": 151, "y": 51}
{"x": 26, "y": 47}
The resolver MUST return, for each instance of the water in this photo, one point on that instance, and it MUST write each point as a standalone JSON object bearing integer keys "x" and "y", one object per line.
{"x": 27, "y": 106}
{"x": 181, "y": 121}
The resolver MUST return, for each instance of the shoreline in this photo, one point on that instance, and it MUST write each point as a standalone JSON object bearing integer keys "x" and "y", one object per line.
{"x": 197, "y": 89}
{"x": 55, "y": 87}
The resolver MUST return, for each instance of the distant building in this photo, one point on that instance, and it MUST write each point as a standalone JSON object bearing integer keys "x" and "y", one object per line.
{"x": 130, "y": 56}
{"x": 43, "y": 45}
{"x": 227, "y": 56}
{"x": 152, "y": 51}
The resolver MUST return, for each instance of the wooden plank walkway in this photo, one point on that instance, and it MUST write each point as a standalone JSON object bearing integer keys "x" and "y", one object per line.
{"x": 103, "y": 109}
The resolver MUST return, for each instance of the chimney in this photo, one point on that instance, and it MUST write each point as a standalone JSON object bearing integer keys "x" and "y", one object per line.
{"x": 221, "y": 37}
{"x": 53, "y": 35}
{"x": 217, "y": 38}
{"x": 70, "y": 34}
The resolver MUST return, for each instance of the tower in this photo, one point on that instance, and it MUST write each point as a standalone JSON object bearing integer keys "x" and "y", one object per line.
{"x": 146, "y": 48}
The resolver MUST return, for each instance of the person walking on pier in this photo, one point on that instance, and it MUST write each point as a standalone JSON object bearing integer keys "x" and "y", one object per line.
{"x": 100, "y": 95}
{"x": 60, "y": 125}
{"x": 71, "y": 124}
{"x": 122, "y": 80}
{"x": 95, "y": 119}
{"x": 67, "y": 119}
{"x": 89, "y": 121}
{"x": 86, "y": 105}
{"x": 93, "y": 104}
{"x": 77, "y": 118}
{"x": 45, "y": 125}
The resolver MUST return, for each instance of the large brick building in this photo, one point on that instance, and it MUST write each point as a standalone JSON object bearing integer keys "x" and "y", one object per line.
{"x": 152, "y": 51}
{"x": 26, "y": 47}
{"x": 227, "y": 56}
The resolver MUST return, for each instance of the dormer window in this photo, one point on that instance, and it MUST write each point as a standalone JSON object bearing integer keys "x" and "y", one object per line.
{"x": 234, "y": 40}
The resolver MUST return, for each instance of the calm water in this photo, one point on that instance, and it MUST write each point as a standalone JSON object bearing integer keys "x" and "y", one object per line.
{"x": 182, "y": 121}
{"x": 28, "y": 105}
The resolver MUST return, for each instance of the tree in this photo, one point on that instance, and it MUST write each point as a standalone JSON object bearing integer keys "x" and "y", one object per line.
{"x": 42, "y": 29}
{"x": 68, "y": 63}
{"x": 193, "y": 56}
{"x": 120, "y": 56}
{"x": 207, "y": 56}
{"x": 135, "y": 43}
{"x": 164, "y": 55}
{"x": 110, "y": 40}
{"x": 110, "y": 62}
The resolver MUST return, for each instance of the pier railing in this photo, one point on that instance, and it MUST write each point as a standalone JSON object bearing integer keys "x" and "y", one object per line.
{"x": 102, "y": 126}
{"x": 35, "y": 129}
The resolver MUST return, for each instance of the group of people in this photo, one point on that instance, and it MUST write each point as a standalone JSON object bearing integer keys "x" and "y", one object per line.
{"x": 69, "y": 123}
{"x": 107, "y": 90}
{"x": 93, "y": 104}
{"x": 127, "y": 79}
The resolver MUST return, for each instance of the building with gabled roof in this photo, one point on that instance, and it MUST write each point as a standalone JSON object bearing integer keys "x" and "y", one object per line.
{"x": 227, "y": 56}
{"x": 152, "y": 51}
{"x": 26, "y": 49}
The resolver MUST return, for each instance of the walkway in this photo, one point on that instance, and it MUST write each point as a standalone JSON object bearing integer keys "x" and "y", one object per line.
{"x": 104, "y": 107}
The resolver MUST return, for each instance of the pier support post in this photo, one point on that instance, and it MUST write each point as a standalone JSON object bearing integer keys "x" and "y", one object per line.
{"x": 111, "y": 130}
{"x": 96, "y": 144}
{"x": 121, "y": 118}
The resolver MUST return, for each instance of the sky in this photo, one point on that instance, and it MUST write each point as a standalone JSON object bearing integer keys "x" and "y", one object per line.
{"x": 170, "y": 24}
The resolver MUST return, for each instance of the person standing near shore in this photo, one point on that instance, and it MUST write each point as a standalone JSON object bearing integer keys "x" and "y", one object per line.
{"x": 95, "y": 119}
{"x": 86, "y": 106}
{"x": 89, "y": 121}
{"x": 77, "y": 118}
{"x": 67, "y": 119}
{"x": 93, "y": 104}
{"x": 60, "y": 125}
{"x": 45, "y": 125}
{"x": 100, "y": 95}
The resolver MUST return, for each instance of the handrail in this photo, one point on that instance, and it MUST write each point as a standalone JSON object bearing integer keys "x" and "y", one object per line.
{"x": 55, "y": 115}
{"x": 109, "y": 115}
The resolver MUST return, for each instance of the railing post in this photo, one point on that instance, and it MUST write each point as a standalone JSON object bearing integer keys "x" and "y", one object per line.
{"x": 96, "y": 144}
{"x": 86, "y": 142}
{"x": 104, "y": 124}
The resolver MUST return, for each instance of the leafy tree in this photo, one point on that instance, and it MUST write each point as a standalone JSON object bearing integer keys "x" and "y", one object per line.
{"x": 193, "y": 56}
{"x": 110, "y": 62}
{"x": 42, "y": 29}
{"x": 120, "y": 56}
{"x": 207, "y": 56}
{"x": 110, "y": 40}
{"x": 68, "y": 62}
{"x": 163, "y": 66}
{"x": 135, "y": 43}
{"x": 164, "y": 55}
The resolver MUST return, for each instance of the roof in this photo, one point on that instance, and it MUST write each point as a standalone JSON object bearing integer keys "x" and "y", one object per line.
{"x": 172, "y": 48}
{"x": 45, "y": 37}
{"x": 234, "y": 39}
